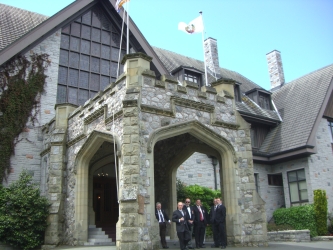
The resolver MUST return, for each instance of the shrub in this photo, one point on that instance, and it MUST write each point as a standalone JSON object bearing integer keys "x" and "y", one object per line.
{"x": 330, "y": 225}
{"x": 196, "y": 192}
{"x": 23, "y": 214}
{"x": 301, "y": 217}
{"x": 320, "y": 209}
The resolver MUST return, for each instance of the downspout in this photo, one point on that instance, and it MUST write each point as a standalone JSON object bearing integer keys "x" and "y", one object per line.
{"x": 214, "y": 162}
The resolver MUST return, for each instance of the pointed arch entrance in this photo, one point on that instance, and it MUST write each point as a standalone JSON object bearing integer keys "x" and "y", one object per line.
{"x": 96, "y": 201}
{"x": 174, "y": 144}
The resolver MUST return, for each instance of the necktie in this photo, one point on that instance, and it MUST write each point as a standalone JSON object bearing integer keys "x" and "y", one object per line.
{"x": 201, "y": 216}
{"x": 161, "y": 216}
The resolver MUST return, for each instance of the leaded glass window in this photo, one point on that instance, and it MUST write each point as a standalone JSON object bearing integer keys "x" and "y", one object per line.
{"x": 297, "y": 186}
{"x": 89, "y": 51}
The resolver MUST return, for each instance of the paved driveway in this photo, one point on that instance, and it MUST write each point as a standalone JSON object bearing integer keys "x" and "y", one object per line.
{"x": 272, "y": 246}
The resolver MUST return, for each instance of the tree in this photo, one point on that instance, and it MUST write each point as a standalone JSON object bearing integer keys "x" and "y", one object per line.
{"x": 23, "y": 214}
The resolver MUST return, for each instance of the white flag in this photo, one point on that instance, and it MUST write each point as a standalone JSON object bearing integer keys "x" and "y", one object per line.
{"x": 195, "y": 26}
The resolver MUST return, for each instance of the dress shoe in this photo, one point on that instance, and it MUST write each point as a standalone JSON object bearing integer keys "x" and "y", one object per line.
{"x": 166, "y": 247}
{"x": 190, "y": 247}
{"x": 222, "y": 247}
{"x": 202, "y": 246}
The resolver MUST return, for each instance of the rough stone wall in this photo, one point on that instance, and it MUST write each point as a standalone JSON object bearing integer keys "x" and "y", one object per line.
{"x": 321, "y": 165}
{"x": 198, "y": 169}
{"x": 272, "y": 195}
{"x": 139, "y": 111}
{"x": 83, "y": 121}
{"x": 27, "y": 151}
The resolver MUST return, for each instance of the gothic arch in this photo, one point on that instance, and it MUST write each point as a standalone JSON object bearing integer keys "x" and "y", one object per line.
{"x": 84, "y": 215}
{"x": 222, "y": 149}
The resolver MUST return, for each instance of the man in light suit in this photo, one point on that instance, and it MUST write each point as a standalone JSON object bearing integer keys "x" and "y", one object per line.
{"x": 179, "y": 216}
{"x": 163, "y": 219}
{"x": 190, "y": 218}
{"x": 200, "y": 223}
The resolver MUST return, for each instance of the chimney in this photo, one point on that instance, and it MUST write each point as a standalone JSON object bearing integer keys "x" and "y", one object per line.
{"x": 275, "y": 69}
{"x": 211, "y": 55}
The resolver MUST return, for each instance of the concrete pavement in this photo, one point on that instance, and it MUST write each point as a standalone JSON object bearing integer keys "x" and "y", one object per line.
{"x": 328, "y": 245}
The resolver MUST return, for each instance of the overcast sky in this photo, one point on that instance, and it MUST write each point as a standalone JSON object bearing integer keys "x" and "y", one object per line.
{"x": 246, "y": 30}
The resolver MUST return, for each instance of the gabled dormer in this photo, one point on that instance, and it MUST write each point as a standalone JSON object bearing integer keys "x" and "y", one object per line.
{"x": 261, "y": 97}
{"x": 190, "y": 74}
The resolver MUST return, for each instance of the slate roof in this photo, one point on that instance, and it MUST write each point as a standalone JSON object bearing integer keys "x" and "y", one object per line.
{"x": 172, "y": 60}
{"x": 298, "y": 103}
{"x": 15, "y": 22}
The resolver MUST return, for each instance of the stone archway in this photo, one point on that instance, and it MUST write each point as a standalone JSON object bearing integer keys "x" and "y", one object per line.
{"x": 83, "y": 200}
{"x": 211, "y": 143}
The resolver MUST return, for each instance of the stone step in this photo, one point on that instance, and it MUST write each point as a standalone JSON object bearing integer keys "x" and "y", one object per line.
{"x": 98, "y": 236}
{"x": 99, "y": 240}
{"x": 99, "y": 244}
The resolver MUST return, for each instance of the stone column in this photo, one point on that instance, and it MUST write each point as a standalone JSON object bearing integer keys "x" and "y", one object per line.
{"x": 53, "y": 233}
{"x": 134, "y": 225}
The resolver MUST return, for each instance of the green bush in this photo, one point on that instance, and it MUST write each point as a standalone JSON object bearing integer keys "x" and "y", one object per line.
{"x": 196, "y": 192}
{"x": 320, "y": 209}
{"x": 23, "y": 214}
{"x": 301, "y": 217}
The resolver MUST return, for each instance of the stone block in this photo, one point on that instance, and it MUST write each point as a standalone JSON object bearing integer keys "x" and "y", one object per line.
{"x": 129, "y": 207}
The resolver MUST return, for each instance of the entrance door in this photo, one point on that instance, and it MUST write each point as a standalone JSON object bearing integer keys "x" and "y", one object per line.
{"x": 106, "y": 206}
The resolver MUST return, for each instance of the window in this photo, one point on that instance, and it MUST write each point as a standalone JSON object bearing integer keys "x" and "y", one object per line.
{"x": 330, "y": 128}
{"x": 256, "y": 180}
{"x": 89, "y": 51}
{"x": 297, "y": 186}
{"x": 237, "y": 93}
{"x": 275, "y": 180}
{"x": 192, "y": 77}
{"x": 264, "y": 101}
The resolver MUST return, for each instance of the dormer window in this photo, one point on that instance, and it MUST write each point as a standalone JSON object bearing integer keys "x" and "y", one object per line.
{"x": 261, "y": 97}
{"x": 188, "y": 74}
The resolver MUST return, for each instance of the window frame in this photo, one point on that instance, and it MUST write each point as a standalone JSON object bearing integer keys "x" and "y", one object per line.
{"x": 298, "y": 186}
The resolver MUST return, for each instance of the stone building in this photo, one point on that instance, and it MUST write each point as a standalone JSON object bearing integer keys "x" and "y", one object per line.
{"x": 107, "y": 147}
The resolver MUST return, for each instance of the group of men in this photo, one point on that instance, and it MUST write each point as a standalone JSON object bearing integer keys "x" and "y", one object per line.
{"x": 194, "y": 218}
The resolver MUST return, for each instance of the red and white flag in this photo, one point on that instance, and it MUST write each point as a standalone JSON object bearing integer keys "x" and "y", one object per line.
{"x": 195, "y": 26}
{"x": 119, "y": 4}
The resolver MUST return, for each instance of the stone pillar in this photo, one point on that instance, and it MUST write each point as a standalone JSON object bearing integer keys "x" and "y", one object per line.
{"x": 275, "y": 69}
{"x": 53, "y": 233}
{"x": 134, "y": 225}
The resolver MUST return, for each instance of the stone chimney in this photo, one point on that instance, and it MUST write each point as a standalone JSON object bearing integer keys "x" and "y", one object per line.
{"x": 211, "y": 55}
{"x": 275, "y": 69}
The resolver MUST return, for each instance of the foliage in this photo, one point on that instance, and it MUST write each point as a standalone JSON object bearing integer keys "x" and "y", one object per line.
{"x": 23, "y": 214}
{"x": 21, "y": 83}
{"x": 320, "y": 209}
{"x": 282, "y": 227}
{"x": 330, "y": 225}
{"x": 196, "y": 192}
{"x": 301, "y": 217}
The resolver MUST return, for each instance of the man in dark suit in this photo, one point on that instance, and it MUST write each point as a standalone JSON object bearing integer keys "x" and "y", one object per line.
{"x": 200, "y": 223}
{"x": 189, "y": 218}
{"x": 211, "y": 221}
{"x": 219, "y": 223}
{"x": 179, "y": 216}
{"x": 162, "y": 218}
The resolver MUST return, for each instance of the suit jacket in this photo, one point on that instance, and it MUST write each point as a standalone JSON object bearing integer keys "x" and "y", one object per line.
{"x": 197, "y": 215}
{"x": 212, "y": 215}
{"x": 190, "y": 216}
{"x": 166, "y": 217}
{"x": 180, "y": 226}
{"x": 220, "y": 214}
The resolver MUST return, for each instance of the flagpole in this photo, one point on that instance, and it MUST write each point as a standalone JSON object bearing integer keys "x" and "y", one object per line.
{"x": 203, "y": 46}
{"x": 127, "y": 47}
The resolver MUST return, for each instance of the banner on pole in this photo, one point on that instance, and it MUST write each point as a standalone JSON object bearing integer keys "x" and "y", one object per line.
{"x": 120, "y": 3}
{"x": 195, "y": 26}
